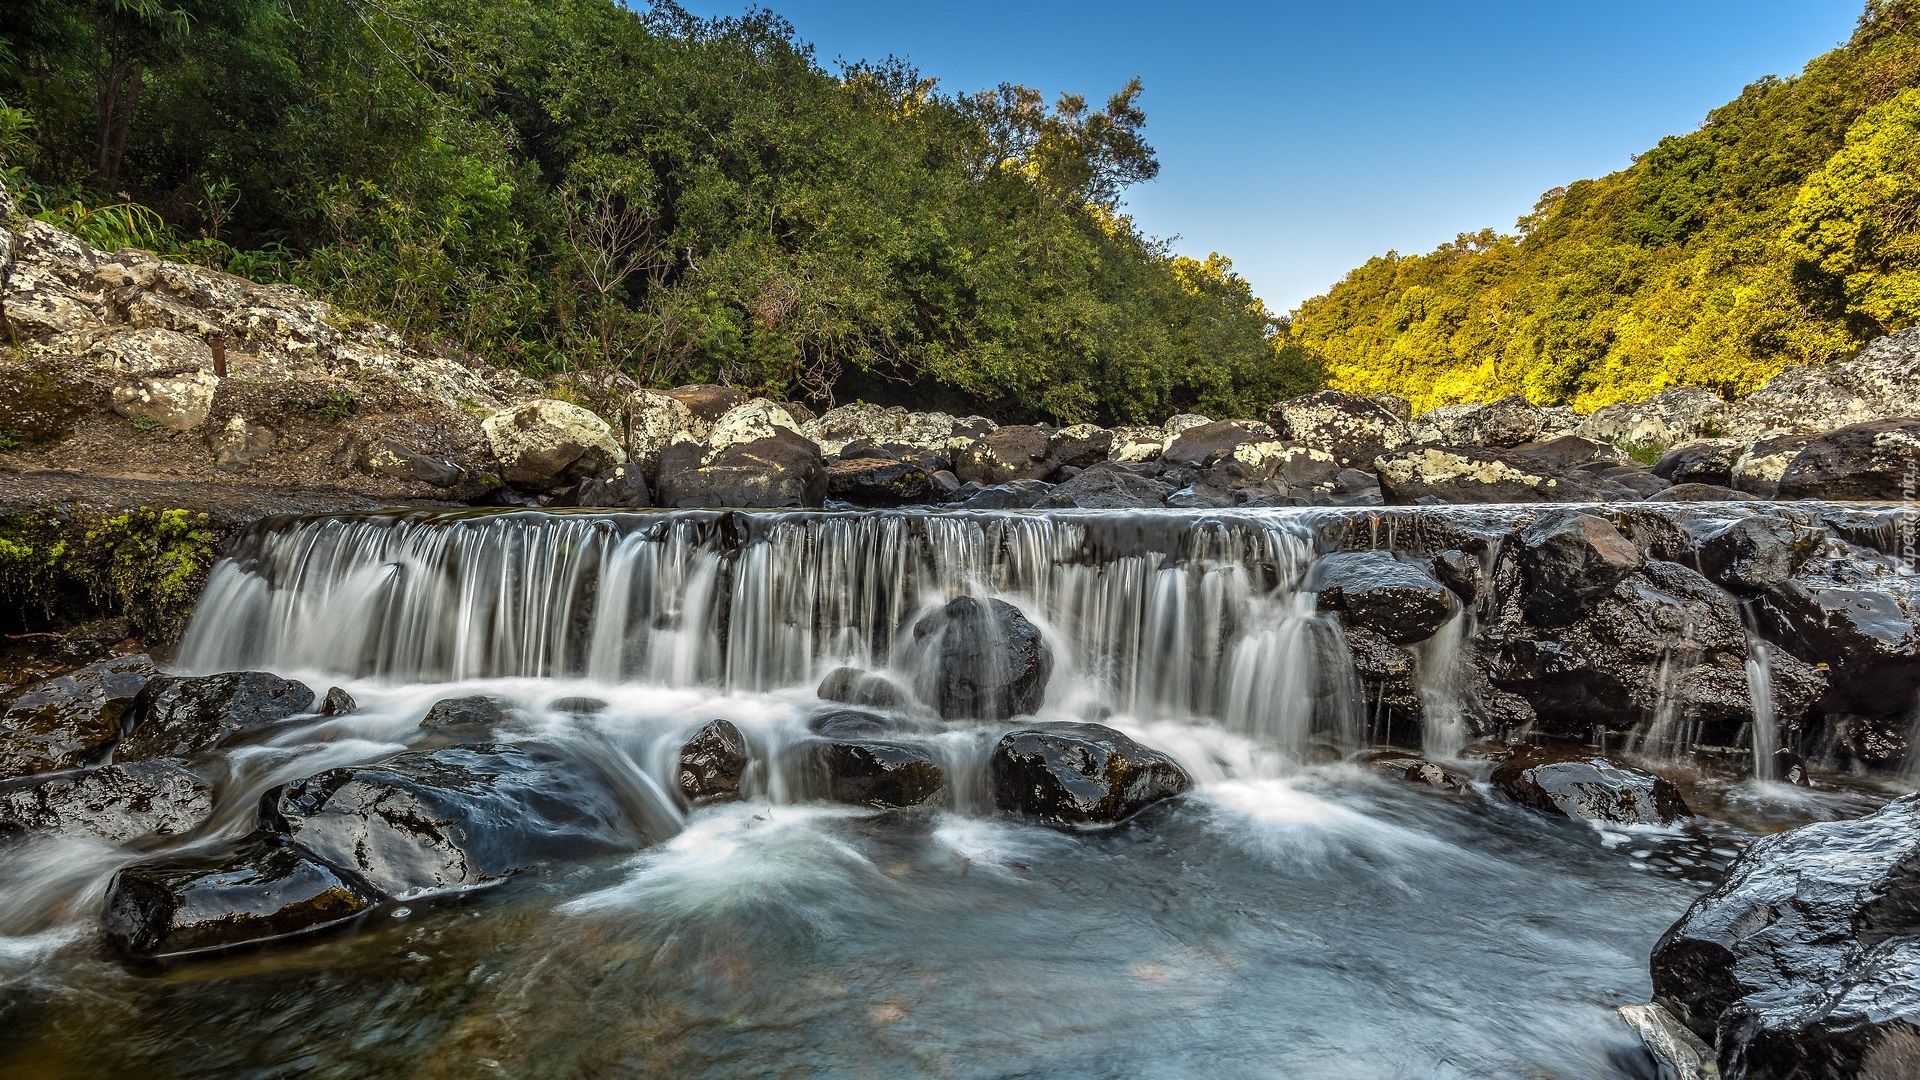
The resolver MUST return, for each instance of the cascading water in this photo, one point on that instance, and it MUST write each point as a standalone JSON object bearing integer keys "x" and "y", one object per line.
{"x": 1765, "y": 735}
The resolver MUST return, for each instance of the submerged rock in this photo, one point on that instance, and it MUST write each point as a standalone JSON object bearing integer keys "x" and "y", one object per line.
{"x": 1589, "y": 789}
{"x": 446, "y": 820}
{"x": 1401, "y": 601}
{"x": 980, "y": 660}
{"x": 71, "y": 720}
{"x": 115, "y": 803}
{"x": 1805, "y": 960}
{"x": 874, "y": 773}
{"x": 852, "y": 686}
{"x": 177, "y": 715}
{"x": 1419, "y": 772}
{"x": 1079, "y": 776}
{"x": 257, "y": 891}
{"x": 851, "y": 724}
{"x": 712, "y": 763}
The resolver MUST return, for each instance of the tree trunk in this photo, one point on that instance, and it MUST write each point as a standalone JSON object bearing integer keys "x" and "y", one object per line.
{"x": 129, "y": 101}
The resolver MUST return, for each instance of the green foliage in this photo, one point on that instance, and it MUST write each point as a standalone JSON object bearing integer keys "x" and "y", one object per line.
{"x": 147, "y": 565}
{"x": 571, "y": 184}
{"x": 1781, "y": 232}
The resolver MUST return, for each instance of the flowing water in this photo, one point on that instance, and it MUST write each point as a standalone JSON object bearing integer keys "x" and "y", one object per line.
{"x": 1294, "y": 916}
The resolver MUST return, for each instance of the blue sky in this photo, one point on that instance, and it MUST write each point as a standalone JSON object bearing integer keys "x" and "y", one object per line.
{"x": 1301, "y": 138}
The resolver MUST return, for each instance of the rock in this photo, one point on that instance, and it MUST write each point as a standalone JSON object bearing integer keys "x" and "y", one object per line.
{"x": 545, "y": 445}
{"x": 1206, "y": 445}
{"x": 1468, "y": 475}
{"x": 1173, "y": 425}
{"x": 1017, "y": 452}
{"x": 1753, "y": 554}
{"x": 1759, "y": 469}
{"x": 621, "y": 487}
{"x": 1078, "y": 446}
{"x": 1570, "y": 561}
{"x": 1672, "y": 416}
{"x": 259, "y": 890}
{"x": 1508, "y": 422}
{"x": 1351, "y": 428}
{"x": 1401, "y": 601}
{"x": 653, "y": 421}
{"x": 1079, "y": 776}
{"x": 578, "y": 705}
{"x": 981, "y": 660}
{"x": 877, "y": 774}
{"x": 1853, "y": 612}
{"x": 1803, "y": 961}
{"x": 1136, "y": 445}
{"x": 1589, "y": 789}
{"x": 1109, "y": 487}
{"x": 1871, "y": 740}
{"x": 1679, "y": 1054}
{"x": 1568, "y": 452}
{"x": 72, "y": 720}
{"x": 1419, "y": 772}
{"x": 855, "y": 687}
{"x": 1875, "y": 460}
{"x": 869, "y": 481}
{"x": 175, "y": 715}
{"x": 1696, "y": 493}
{"x": 1706, "y": 461}
{"x": 337, "y": 703}
{"x": 477, "y": 713}
{"x": 1400, "y": 408}
{"x": 784, "y": 469}
{"x": 175, "y": 402}
{"x": 461, "y": 817}
{"x": 712, "y": 764}
{"x": 851, "y": 724}
{"x": 115, "y": 803}
{"x": 945, "y": 485}
{"x": 1389, "y": 681}
{"x": 706, "y": 401}
{"x": 1013, "y": 495}
{"x": 397, "y": 461}
{"x": 749, "y": 422}
{"x": 239, "y": 444}
{"x": 845, "y": 424}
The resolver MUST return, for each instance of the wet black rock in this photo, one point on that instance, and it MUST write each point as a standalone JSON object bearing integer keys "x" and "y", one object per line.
{"x": 337, "y": 703}
{"x": 1079, "y": 776}
{"x": 1401, "y": 601}
{"x": 851, "y": 686}
{"x": 456, "y": 818}
{"x": 1589, "y": 789}
{"x": 981, "y": 660}
{"x": 175, "y": 716}
{"x": 1462, "y": 572}
{"x": 1873, "y": 741}
{"x": 872, "y": 481}
{"x": 115, "y": 803}
{"x": 1805, "y": 960}
{"x": 72, "y": 720}
{"x": 1419, "y": 772}
{"x": 257, "y": 891}
{"x": 619, "y": 487}
{"x": 1853, "y": 612}
{"x": 1876, "y": 460}
{"x": 1388, "y": 675}
{"x": 1571, "y": 561}
{"x": 477, "y": 713}
{"x": 1709, "y": 461}
{"x": 851, "y": 724}
{"x": 782, "y": 470}
{"x": 712, "y": 764}
{"x": 1756, "y": 553}
{"x": 874, "y": 773}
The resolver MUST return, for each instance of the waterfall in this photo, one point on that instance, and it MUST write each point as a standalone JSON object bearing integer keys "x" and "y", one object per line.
{"x": 1153, "y": 615}
{"x": 1766, "y": 733}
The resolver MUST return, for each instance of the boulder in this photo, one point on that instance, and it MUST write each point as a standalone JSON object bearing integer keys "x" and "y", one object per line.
{"x": 1243, "y": 443}
{"x": 1013, "y": 495}
{"x": 1353, "y": 429}
{"x": 1705, "y": 461}
{"x": 1109, "y": 486}
{"x": 1079, "y": 776}
{"x": 1753, "y": 554}
{"x": 1568, "y": 452}
{"x": 1875, "y": 460}
{"x": 653, "y": 421}
{"x": 1016, "y": 452}
{"x": 258, "y": 890}
{"x": 980, "y": 659}
{"x": 1691, "y": 493}
{"x": 1079, "y": 446}
{"x": 1679, "y": 415}
{"x": 1510, "y": 421}
{"x": 1853, "y": 612}
{"x": 1136, "y": 445}
{"x": 874, "y": 773}
{"x": 115, "y": 803}
{"x": 711, "y": 764}
{"x": 1401, "y": 601}
{"x": 178, "y": 715}
{"x": 545, "y": 445}
{"x": 1805, "y": 960}
{"x": 175, "y": 402}
{"x": 453, "y": 819}
{"x": 782, "y": 470}
{"x": 1471, "y": 475}
{"x": 71, "y": 720}
{"x": 749, "y": 422}
{"x": 707, "y": 401}
{"x": 621, "y": 487}
{"x": 1759, "y": 468}
{"x": 395, "y": 460}
{"x": 845, "y": 424}
{"x": 476, "y": 713}
{"x": 238, "y": 444}
{"x": 872, "y": 481}
{"x": 1589, "y": 789}
{"x": 1389, "y": 683}
{"x": 337, "y": 702}
{"x": 1569, "y": 562}
{"x": 852, "y": 686}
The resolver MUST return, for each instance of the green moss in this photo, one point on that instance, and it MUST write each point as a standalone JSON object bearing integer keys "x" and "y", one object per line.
{"x": 145, "y": 565}
{"x": 1644, "y": 453}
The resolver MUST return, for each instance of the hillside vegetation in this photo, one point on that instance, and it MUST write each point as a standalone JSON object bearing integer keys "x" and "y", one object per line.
{"x": 1786, "y": 230}
{"x": 569, "y": 185}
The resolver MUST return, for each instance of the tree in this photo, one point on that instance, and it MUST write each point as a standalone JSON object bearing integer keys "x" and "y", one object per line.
{"x": 1856, "y": 221}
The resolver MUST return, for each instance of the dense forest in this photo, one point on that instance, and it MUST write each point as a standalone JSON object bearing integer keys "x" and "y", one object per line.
{"x": 574, "y": 186}
{"x": 1786, "y": 230}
